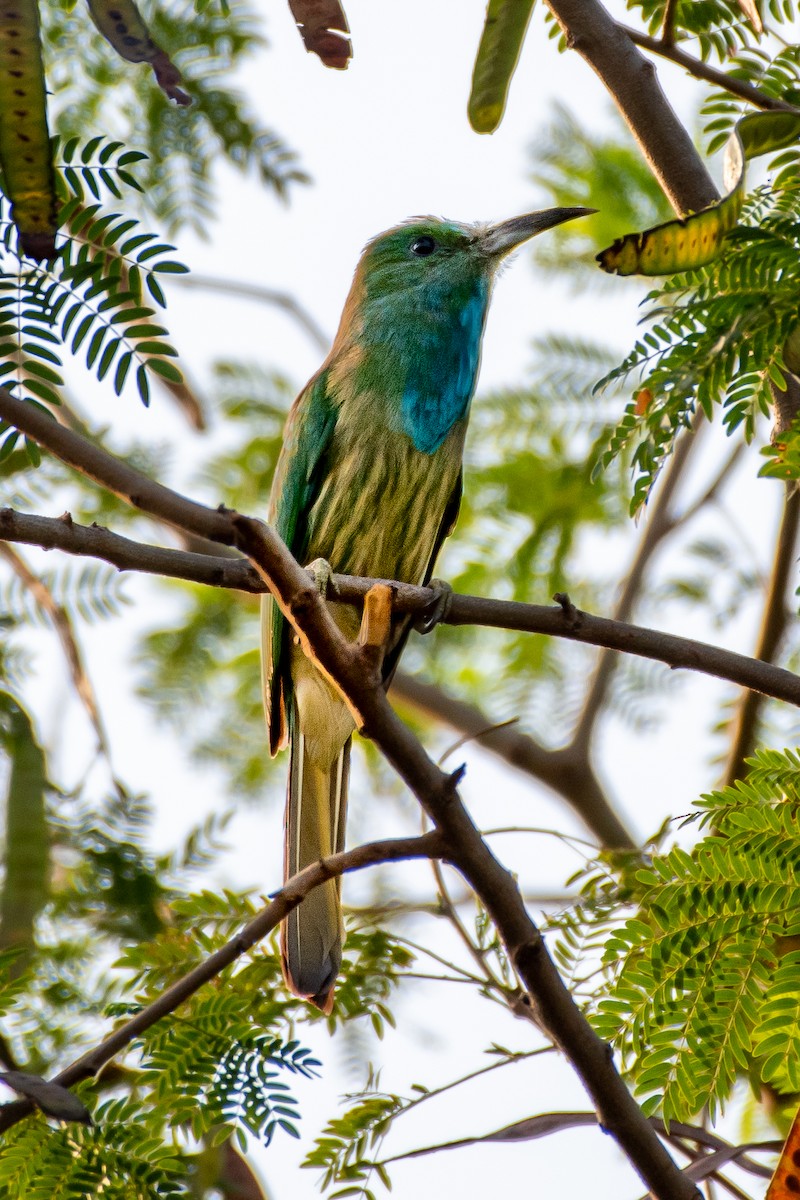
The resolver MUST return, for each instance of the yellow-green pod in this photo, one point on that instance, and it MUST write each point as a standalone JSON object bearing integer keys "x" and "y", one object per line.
{"x": 498, "y": 53}
{"x": 121, "y": 24}
{"x": 693, "y": 241}
{"x": 25, "y": 154}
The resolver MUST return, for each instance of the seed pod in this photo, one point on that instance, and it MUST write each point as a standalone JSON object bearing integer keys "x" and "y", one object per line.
{"x": 121, "y": 24}
{"x": 25, "y": 155}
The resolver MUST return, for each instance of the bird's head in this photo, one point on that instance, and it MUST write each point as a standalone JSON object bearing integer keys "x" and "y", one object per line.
{"x": 435, "y": 258}
{"x": 413, "y": 322}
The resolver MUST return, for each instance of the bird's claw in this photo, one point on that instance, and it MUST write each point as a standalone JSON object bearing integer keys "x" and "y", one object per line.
{"x": 321, "y": 573}
{"x": 438, "y": 608}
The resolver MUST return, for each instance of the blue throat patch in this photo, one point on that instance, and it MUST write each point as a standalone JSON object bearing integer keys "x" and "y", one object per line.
{"x": 443, "y": 367}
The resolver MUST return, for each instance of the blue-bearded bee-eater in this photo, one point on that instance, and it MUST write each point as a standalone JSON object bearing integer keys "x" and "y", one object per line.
{"x": 369, "y": 480}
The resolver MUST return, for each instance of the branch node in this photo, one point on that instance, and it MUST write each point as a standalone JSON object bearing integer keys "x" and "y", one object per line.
{"x": 455, "y": 777}
{"x": 569, "y": 610}
{"x": 526, "y": 956}
{"x": 376, "y": 627}
{"x": 66, "y": 519}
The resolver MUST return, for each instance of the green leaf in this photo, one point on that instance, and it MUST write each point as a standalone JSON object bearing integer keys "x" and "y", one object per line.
{"x": 166, "y": 369}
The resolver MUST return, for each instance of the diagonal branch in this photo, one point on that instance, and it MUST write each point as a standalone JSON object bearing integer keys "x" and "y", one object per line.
{"x": 703, "y": 70}
{"x": 294, "y": 890}
{"x": 254, "y": 291}
{"x": 576, "y": 782}
{"x": 93, "y": 462}
{"x": 632, "y": 81}
{"x": 553, "y": 1007}
{"x": 62, "y": 625}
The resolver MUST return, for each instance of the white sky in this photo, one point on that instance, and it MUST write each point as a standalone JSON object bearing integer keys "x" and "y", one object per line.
{"x": 384, "y": 140}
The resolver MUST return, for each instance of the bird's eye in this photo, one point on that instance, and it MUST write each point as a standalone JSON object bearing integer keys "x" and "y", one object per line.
{"x": 423, "y": 246}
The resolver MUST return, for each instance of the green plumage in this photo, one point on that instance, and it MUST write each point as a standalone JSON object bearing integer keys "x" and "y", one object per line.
{"x": 369, "y": 480}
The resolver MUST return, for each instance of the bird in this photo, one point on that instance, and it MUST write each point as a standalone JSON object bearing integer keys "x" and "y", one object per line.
{"x": 368, "y": 482}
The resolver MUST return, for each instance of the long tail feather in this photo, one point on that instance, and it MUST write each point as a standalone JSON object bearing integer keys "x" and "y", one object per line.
{"x": 316, "y": 806}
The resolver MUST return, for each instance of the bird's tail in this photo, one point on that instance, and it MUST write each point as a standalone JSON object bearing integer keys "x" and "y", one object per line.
{"x": 316, "y": 806}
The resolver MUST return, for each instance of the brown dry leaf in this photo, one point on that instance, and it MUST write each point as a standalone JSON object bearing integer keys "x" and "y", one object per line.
{"x": 785, "y": 1183}
{"x": 642, "y": 401}
{"x": 322, "y": 24}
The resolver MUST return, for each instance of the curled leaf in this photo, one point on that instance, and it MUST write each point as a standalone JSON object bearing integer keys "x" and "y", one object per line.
{"x": 693, "y": 241}
{"x": 322, "y": 24}
{"x": 123, "y": 26}
{"x": 785, "y": 1183}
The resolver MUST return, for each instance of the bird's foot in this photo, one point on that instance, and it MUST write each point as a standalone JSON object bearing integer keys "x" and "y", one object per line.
{"x": 321, "y": 573}
{"x": 438, "y": 608}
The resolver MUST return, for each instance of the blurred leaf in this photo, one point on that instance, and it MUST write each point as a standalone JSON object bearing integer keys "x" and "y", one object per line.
{"x": 498, "y": 53}
{"x": 27, "y": 843}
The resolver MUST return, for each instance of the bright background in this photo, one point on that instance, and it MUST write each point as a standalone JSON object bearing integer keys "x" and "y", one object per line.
{"x": 385, "y": 140}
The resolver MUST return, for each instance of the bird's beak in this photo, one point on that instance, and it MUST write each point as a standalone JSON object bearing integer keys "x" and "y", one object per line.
{"x": 501, "y": 239}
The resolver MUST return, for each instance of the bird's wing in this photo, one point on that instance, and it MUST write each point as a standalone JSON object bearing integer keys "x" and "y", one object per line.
{"x": 298, "y": 479}
{"x": 446, "y": 526}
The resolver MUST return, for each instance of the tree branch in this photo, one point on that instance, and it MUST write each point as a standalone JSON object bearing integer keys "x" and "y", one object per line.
{"x": 265, "y": 295}
{"x": 294, "y": 890}
{"x": 702, "y": 70}
{"x": 560, "y": 770}
{"x": 554, "y": 1009}
{"x": 563, "y": 620}
{"x": 774, "y": 622}
{"x": 62, "y": 626}
{"x": 632, "y": 81}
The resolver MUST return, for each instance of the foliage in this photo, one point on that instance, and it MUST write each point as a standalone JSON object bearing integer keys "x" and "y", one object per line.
{"x": 716, "y": 336}
{"x": 703, "y": 977}
{"x": 685, "y": 956}
{"x": 574, "y": 165}
{"x": 91, "y": 296}
{"x": 183, "y": 145}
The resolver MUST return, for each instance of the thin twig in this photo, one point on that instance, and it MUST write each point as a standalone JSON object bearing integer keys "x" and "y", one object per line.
{"x": 264, "y": 295}
{"x": 703, "y": 70}
{"x": 775, "y": 620}
{"x": 62, "y": 626}
{"x": 478, "y": 956}
{"x": 290, "y": 895}
{"x": 668, "y": 23}
{"x": 660, "y": 524}
{"x": 711, "y": 493}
